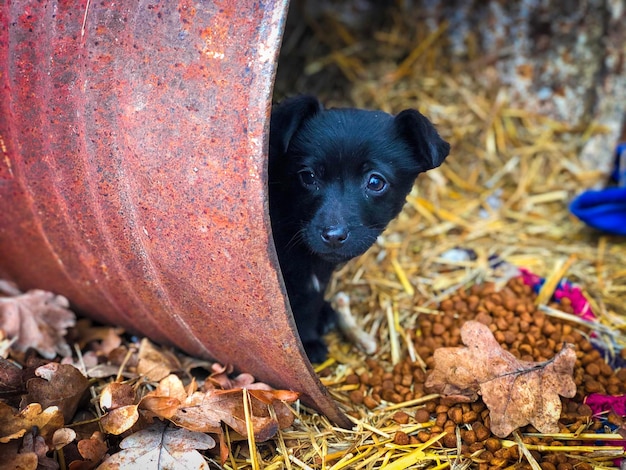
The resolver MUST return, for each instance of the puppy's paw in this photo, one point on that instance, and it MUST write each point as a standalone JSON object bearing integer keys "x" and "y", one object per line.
{"x": 327, "y": 319}
{"x": 316, "y": 350}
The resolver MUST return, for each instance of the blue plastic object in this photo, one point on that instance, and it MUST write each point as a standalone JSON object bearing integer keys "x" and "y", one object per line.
{"x": 606, "y": 209}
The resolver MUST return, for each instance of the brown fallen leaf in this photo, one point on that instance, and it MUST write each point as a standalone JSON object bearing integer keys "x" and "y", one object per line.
{"x": 92, "y": 450}
{"x": 220, "y": 378}
{"x": 37, "y": 319}
{"x": 120, "y": 420}
{"x": 58, "y": 385}
{"x": 11, "y": 458}
{"x": 14, "y": 425}
{"x": 205, "y": 411}
{"x": 516, "y": 392}
{"x": 116, "y": 395}
{"x": 35, "y": 444}
{"x": 102, "y": 339}
{"x": 11, "y": 379}
{"x": 154, "y": 363}
{"x": 118, "y": 400}
{"x": 63, "y": 437}
{"x": 161, "y": 447}
{"x": 165, "y": 400}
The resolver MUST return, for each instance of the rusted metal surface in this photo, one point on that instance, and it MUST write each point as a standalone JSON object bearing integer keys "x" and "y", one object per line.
{"x": 133, "y": 173}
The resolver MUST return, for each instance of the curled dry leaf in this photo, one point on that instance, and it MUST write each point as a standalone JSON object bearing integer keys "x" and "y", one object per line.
{"x": 38, "y": 320}
{"x": 205, "y": 411}
{"x": 14, "y": 425}
{"x": 167, "y": 398}
{"x": 220, "y": 378}
{"x": 60, "y": 385}
{"x": 120, "y": 420}
{"x": 161, "y": 447}
{"x": 118, "y": 400}
{"x": 155, "y": 364}
{"x": 516, "y": 392}
{"x": 11, "y": 378}
{"x": 36, "y": 444}
{"x": 92, "y": 450}
{"x": 62, "y": 437}
{"x": 11, "y": 458}
{"x": 102, "y": 339}
{"x": 116, "y": 395}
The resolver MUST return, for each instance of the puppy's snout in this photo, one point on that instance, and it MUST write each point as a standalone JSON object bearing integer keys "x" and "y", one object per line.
{"x": 335, "y": 236}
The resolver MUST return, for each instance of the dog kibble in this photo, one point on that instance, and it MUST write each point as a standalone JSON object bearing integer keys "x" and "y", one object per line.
{"x": 401, "y": 438}
{"x": 401, "y": 417}
{"x": 422, "y": 415}
{"x": 449, "y": 440}
{"x": 370, "y": 402}
{"x": 547, "y": 465}
{"x": 468, "y": 436}
{"x": 456, "y": 415}
{"x": 352, "y": 379}
{"x": 356, "y": 396}
{"x": 524, "y": 331}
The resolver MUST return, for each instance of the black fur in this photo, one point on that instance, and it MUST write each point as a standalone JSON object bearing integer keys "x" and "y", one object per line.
{"x": 337, "y": 177}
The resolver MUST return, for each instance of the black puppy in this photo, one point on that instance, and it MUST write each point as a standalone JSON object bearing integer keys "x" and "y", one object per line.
{"x": 337, "y": 177}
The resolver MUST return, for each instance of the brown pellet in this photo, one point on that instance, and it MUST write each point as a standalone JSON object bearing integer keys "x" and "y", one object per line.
{"x": 356, "y": 397}
{"x": 468, "y": 436}
{"x": 456, "y": 415}
{"x": 401, "y": 417}
{"x": 352, "y": 379}
{"x": 370, "y": 402}
{"x": 493, "y": 444}
{"x": 401, "y": 438}
{"x": 449, "y": 440}
{"x": 422, "y": 415}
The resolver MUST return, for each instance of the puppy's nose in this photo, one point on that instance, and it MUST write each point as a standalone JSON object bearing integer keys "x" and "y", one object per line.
{"x": 335, "y": 236}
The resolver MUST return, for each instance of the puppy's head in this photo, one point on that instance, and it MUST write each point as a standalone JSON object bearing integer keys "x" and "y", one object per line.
{"x": 345, "y": 173}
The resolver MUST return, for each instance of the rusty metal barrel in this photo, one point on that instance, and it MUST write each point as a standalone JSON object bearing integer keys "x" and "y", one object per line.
{"x": 133, "y": 174}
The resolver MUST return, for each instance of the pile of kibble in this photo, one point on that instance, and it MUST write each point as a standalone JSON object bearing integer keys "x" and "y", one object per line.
{"x": 521, "y": 329}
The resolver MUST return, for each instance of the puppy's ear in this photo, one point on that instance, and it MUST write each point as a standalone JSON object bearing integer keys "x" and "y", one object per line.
{"x": 423, "y": 138}
{"x": 288, "y": 116}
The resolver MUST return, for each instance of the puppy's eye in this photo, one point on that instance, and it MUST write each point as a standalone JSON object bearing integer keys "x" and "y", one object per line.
{"x": 376, "y": 183}
{"x": 307, "y": 178}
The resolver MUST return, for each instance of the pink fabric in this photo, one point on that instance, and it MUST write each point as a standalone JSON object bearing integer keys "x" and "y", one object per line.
{"x": 600, "y": 403}
{"x": 565, "y": 289}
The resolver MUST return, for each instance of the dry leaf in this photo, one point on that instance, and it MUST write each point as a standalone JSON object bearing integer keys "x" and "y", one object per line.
{"x": 32, "y": 444}
{"x": 220, "y": 377}
{"x": 516, "y": 392}
{"x": 119, "y": 420}
{"x": 63, "y": 437}
{"x": 167, "y": 398}
{"x": 118, "y": 400}
{"x": 11, "y": 378}
{"x": 11, "y": 459}
{"x": 116, "y": 395}
{"x": 103, "y": 339}
{"x": 58, "y": 385}
{"x": 92, "y": 450}
{"x": 155, "y": 364}
{"x": 38, "y": 320}
{"x": 14, "y": 425}
{"x": 205, "y": 411}
{"x": 161, "y": 447}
